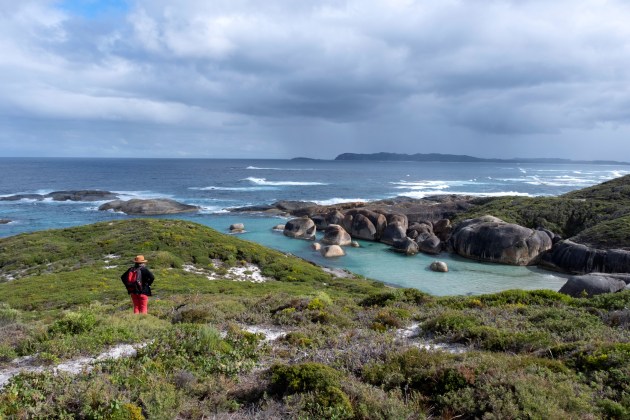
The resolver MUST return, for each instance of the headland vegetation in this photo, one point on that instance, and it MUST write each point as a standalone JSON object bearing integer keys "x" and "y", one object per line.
{"x": 296, "y": 342}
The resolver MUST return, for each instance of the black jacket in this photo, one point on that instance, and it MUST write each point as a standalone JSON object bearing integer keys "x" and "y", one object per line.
{"x": 146, "y": 277}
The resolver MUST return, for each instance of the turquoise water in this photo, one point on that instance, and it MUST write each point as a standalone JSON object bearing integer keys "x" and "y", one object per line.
{"x": 374, "y": 260}
{"x": 217, "y": 185}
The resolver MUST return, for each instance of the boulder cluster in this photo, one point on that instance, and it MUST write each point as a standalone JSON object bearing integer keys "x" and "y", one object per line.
{"x": 485, "y": 239}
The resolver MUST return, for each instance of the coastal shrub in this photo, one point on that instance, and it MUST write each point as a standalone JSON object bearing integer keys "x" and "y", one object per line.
{"x": 372, "y": 403}
{"x": 608, "y": 301}
{"x": 378, "y": 299}
{"x": 484, "y": 386}
{"x": 298, "y": 339}
{"x": 389, "y": 318}
{"x": 8, "y": 315}
{"x": 451, "y": 322}
{"x": 525, "y": 297}
{"x": 561, "y": 215}
{"x": 193, "y": 316}
{"x": 164, "y": 259}
{"x": 73, "y": 323}
{"x": 319, "y": 382}
{"x": 200, "y": 348}
{"x": 320, "y": 301}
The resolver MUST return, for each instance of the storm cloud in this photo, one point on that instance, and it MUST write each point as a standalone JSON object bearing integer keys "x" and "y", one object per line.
{"x": 244, "y": 78}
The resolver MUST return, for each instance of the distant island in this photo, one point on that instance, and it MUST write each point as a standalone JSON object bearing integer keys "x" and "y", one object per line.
{"x": 439, "y": 157}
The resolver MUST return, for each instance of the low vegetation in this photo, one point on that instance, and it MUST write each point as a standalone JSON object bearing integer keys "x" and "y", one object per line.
{"x": 346, "y": 348}
{"x": 598, "y": 216}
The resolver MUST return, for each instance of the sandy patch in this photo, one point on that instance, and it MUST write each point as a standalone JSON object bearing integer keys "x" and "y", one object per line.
{"x": 271, "y": 334}
{"x": 247, "y": 272}
{"x": 74, "y": 366}
{"x": 412, "y": 335}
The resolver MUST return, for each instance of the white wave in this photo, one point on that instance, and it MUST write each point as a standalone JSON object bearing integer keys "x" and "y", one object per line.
{"x": 128, "y": 195}
{"x": 263, "y": 181}
{"x": 257, "y": 168}
{"x": 433, "y": 184}
{"x": 617, "y": 174}
{"x": 212, "y": 210}
{"x": 522, "y": 170}
{"x": 423, "y": 194}
{"x": 214, "y": 188}
{"x": 337, "y": 200}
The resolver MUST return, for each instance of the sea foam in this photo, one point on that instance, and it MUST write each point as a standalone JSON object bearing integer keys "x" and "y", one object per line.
{"x": 263, "y": 181}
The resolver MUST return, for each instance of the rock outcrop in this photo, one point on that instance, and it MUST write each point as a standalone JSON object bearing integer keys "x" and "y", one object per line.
{"x": 150, "y": 207}
{"x": 300, "y": 228}
{"x": 443, "y": 229}
{"x": 332, "y": 251}
{"x": 72, "y": 195}
{"x": 336, "y": 235}
{"x": 359, "y": 227}
{"x": 593, "y": 284}
{"x": 491, "y": 239}
{"x": 406, "y": 246}
{"x": 4, "y": 221}
{"x": 394, "y": 232}
{"x": 429, "y": 243}
{"x": 580, "y": 259}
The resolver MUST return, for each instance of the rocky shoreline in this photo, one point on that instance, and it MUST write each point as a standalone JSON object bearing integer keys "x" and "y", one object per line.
{"x": 437, "y": 224}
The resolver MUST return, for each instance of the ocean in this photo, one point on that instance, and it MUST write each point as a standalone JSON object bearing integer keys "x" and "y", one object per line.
{"x": 221, "y": 184}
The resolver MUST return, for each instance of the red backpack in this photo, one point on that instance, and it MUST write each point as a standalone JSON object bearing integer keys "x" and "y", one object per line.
{"x": 133, "y": 280}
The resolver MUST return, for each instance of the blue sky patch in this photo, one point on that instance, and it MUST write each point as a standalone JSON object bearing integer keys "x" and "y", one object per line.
{"x": 94, "y": 8}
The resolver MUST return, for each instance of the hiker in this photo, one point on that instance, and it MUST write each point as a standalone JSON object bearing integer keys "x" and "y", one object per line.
{"x": 138, "y": 280}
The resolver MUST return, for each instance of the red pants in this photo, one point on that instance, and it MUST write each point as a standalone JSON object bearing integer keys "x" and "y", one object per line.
{"x": 140, "y": 303}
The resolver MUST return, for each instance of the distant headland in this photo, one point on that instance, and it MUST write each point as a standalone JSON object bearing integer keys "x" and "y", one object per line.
{"x": 439, "y": 157}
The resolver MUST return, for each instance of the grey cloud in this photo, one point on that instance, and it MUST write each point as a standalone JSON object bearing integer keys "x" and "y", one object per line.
{"x": 264, "y": 70}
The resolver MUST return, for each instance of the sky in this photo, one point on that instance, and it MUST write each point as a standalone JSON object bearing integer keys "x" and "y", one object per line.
{"x": 287, "y": 78}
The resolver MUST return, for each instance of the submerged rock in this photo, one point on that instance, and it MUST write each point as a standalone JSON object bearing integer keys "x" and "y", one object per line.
{"x": 278, "y": 227}
{"x": 149, "y": 207}
{"x": 301, "y": 228}
{"x": 18, "y": 197}
{"x": 592, "y": 284}
{"x": 316, "y": 246}
{"x": 439, "y": 266}
{"x": 332, "y": 251}
{"x": 491, "y": 239}
{"x": 82, "y": 195}
{"x": 71, "y": 195}
{"x": 237, "y": 227}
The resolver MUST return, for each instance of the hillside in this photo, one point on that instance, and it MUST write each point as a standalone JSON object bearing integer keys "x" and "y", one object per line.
{"x": 440, "y": 157}
{"x": 595, "y": 216}
{"x": 330, "y": 347}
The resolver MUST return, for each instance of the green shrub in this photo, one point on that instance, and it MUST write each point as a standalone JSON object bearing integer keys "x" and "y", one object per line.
{"x": 73, "y": 323}
{"x": 298, "y": 339}
{"x": 193, "y": 316}
{"x": 451, "y": 322}
{"x": 8, "y": 315}
{"x": 378, "y": 299}
{"x": 321, "y": 381}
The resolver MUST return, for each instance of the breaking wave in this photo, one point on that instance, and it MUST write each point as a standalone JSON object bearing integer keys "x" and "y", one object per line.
{"x": 263, "y": 181}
